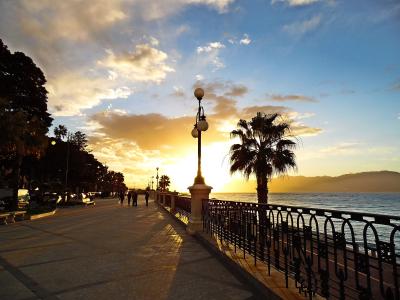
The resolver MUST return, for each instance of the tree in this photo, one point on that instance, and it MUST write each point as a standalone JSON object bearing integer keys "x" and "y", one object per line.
{"x": 79, "y": 139}
{"x": 164, "y": 183}
{"x": 265, "y": 149}
{"x": 24, "y": 120}
{"x": 60, "y": 132}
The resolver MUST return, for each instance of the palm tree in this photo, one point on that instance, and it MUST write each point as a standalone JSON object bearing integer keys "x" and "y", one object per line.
{"x": 264, "y": 150}
{"x": 164, "y": 182}
{"x": 60, "y": 132}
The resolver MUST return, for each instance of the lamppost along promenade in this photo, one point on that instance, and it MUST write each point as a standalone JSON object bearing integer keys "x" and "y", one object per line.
{"x": 199, "y": 190}
{"x": 200, "y": 125}
{"x": 157, "y": 177}
{"x": 53, "y": 143}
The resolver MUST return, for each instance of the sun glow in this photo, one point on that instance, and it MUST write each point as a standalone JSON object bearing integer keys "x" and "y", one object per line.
{"x": 215, "y": 168}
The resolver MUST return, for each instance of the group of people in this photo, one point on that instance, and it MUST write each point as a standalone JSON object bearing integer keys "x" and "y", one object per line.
{"x": 133, "y": 195}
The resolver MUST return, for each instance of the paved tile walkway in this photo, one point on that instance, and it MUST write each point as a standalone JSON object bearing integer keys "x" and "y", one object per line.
{"x": 110, "y": 252}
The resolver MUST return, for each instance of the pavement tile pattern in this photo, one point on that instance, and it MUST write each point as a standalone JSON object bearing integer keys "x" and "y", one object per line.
{"x": 110, "y": 252}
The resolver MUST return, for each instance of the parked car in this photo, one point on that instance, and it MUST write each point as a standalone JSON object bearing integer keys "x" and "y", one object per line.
{"x": 6, "y": 195}
{"x": 81, "y": 198}
{"x": 51, "y": 198}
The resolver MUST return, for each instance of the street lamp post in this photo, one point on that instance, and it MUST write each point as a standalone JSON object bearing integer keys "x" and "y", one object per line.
{"x": 67, "y": 166}
{"x": 152, "y": 181}
{"x": 200, "y": 125}
{"x": 157, "y": 177}
{"x": 199, "y": 190}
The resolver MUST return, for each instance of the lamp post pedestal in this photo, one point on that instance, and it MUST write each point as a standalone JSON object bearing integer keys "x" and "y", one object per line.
{"x": 198, "y": 193}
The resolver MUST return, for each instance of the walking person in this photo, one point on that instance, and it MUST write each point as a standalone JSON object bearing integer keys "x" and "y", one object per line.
{"x": 121, "y": 197}
{"x": 129, "y": 198}
{"x": 146, "y": 197}
{"x": 134, "y": 198}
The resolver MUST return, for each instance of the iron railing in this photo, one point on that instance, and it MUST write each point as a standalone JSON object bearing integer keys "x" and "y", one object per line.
{"x": 183, "y": 206}
{"x": 336, "y": 254}
{"x": 167, "y": 200}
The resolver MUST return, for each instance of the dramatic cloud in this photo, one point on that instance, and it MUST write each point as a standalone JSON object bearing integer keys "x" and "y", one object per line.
{"x": 164, "y": 140}
{"x": 67, "y": 101}
{"x": 143, "y": 64}
{"x": 295, "y": 98}
{"x": 66, "y": 37}
{"x": 150, "y": 131}
{"x": 302, "y": 27}
{"x": 48, "y": 20}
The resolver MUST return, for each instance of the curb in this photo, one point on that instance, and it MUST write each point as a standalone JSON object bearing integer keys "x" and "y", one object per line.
{"x": 44, "y": 215}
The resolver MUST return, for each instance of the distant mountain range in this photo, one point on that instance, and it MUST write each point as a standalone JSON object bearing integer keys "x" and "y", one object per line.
{"x": 380, "y": 181}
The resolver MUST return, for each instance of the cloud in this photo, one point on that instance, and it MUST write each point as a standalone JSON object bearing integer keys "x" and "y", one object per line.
{"x": 396, "y": 86}
{"x": 148, "y": 140}
{"x": 237, "y": 90}
{"x": 295, "y": 2}
{"x": 211, "y": 50}
{"x": 299, "y": 129}
{"x": 344, "y": 148}
{"x": 178, "y": 92}
{"x": 144, "y": 63}
{"x": 126, "y": 156}
{"x": 159, "y": 9}
{"x": 210, "y": 47}
{"x": 227, "y": 88}
{"x": 199, "y": 77}
{"x": 71, "y": 92}
{"x": 291, "y": 97}
{"x": 302, "y": 27}
{"x": 71, "y": 20}
{"x": 142, "y": 129}
{"x": 245, "y": 40}
{"x": 66, "y": 37}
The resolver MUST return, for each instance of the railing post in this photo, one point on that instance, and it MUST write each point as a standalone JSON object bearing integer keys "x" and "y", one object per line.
{"x": 198, "y": 193}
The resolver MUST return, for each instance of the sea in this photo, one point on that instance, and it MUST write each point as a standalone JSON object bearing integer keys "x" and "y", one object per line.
{"x": 375, "y": 203}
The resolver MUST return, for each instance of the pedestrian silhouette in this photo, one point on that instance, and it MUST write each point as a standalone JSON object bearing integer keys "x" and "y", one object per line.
{"x": 121, "y": 197}
{"x": 129, "y": 198}
{"x": 134, "y": 198}
{"x": 146, "y": 197}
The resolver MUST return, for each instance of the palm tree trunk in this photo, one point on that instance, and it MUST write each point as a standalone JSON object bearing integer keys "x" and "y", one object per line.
{"x": 262, "y": 189}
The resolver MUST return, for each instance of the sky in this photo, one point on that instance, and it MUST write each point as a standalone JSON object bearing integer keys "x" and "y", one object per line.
{"x": 124, "y": 72}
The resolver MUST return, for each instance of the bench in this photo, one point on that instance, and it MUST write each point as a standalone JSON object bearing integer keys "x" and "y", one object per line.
{"x": 16, "y": 215}
{"x": 3, "y": 219}
{"x": 19, "y": 215}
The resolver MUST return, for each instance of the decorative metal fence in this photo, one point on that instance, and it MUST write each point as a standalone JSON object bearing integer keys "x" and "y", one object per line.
{"x": 183, "y": 207}
{"x": 336, "y": 254}
{"x": 167, "y": 200}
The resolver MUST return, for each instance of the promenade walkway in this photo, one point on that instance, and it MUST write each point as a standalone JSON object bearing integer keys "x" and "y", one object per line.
{"x": 110, "y": 252}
